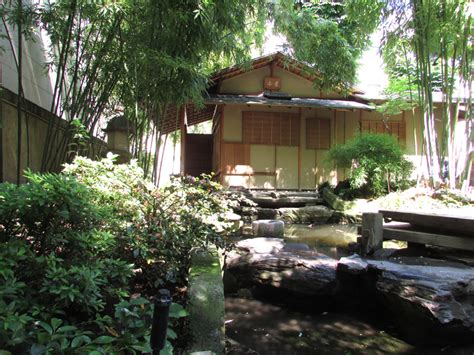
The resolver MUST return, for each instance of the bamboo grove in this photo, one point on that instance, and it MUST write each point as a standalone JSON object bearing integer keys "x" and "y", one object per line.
{"x": 428, "y": 51}
{"x": 141, "y": 57}
{"x": 136, "y": 57}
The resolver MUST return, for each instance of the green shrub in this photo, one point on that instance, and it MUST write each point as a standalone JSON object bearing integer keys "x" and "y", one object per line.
{"x": 376, "y": 161}
{"x": 55, "y": 269}
{"x": 67, "y": 270}
{"x": 120, "y": 189}
{"x": 155, "y": 229}
{"x": 46, "y": 210}
{"x": 190, "y": 212}
{"x": 77, "y": 245}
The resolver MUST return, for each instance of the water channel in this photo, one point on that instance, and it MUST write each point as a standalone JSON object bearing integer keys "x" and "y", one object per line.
{"x": 263, "y": 327}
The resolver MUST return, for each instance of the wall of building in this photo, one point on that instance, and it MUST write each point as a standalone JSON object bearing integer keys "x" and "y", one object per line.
{"x": 270, "y": 166}
{"x": 37, "y": 80}
{"x": 276, "y": 166}
{"x": 287, "y": 167}
{"x": 33, "y": 134}
{"x": 251, "y": 83}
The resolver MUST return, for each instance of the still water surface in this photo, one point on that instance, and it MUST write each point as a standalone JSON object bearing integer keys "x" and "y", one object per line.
{"x": 329, "y": 239}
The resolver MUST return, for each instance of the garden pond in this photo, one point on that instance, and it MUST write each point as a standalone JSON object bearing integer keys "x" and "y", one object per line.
{"x": 261, "y": 326}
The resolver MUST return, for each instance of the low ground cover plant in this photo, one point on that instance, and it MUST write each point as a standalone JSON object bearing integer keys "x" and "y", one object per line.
{"x": 420, "y": 198}
{"x": 84, "y": 251}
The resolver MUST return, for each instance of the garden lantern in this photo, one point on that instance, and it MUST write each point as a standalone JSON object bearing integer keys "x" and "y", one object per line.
{"x": 118, "y": 131}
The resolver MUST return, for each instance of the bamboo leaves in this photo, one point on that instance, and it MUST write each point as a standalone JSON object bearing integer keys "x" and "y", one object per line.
{"x": 432, "y": 42}
{"x": 321, "y": 35}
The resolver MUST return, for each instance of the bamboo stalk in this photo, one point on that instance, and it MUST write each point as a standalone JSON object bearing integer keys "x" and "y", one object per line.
{"x": 20, "y": 89}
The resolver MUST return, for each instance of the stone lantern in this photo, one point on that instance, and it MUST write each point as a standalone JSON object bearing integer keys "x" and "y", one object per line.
{"x": 118, "y": 131}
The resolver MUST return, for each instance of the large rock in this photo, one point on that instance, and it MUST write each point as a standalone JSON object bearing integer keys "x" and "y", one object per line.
{"x": 431, "y": 301}
{"x": 308, "y": 214}
{"x": 267, "y": 264}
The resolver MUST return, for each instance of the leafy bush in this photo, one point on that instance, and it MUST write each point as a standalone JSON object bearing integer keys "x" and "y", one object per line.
{"x": 155, "y": 229}
{"x": 118, "y": 188}
{"x": 56, "y": 273}
{"x": 82, "y": 251}
{"x": 376, "y": 161}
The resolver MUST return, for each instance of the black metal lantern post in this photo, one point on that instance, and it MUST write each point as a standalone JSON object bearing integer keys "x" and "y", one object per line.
{"x": 160, "y": 321}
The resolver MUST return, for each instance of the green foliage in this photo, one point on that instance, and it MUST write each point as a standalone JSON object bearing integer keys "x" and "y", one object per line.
{"x": 189, "y": 212}
{"x": 48, "y": 211}
{"x": 178, "y": 44}
{"x": 428, "y": 44}
{"x": 155, "y": 228}
{"x": 376, "y": 161}
{"x": 426, "y": 199}
{"x": 54, "y": 267}
{"x": 77, "y": 245}
{"x": 119, "y": 189}
{"x": 401, "y": 95}
{"x": 321, "y": 35}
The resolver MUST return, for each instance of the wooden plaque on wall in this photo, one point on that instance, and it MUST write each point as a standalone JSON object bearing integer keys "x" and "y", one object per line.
{"x": 272, "y": 83}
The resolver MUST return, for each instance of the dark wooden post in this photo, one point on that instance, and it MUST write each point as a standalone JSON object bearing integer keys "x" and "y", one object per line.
{"x": 372, "y": 232}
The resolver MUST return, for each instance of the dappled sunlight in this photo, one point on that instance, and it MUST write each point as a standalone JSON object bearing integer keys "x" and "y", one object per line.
{"x": 239, "y": 169}
{"x": 270, "y": 329}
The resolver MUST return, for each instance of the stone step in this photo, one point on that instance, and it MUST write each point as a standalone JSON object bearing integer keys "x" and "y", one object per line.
{"x": 277, "y": 199}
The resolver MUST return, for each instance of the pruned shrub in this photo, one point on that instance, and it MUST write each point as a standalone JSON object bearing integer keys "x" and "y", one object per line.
{"x": 376, "y": 162}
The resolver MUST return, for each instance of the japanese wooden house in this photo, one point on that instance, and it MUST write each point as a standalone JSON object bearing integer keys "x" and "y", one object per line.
{"x": 272, "y": 129}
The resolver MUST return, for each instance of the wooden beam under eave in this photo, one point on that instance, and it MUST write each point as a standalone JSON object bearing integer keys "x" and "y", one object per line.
{"x": 221, "y": 128}
{"x": 183, "y": 131}
{"x": 1, "y": 131}
{"x": 299, "y": 148}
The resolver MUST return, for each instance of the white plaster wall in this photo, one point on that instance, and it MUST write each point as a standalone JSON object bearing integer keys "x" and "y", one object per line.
{"x": 37, "y": 81}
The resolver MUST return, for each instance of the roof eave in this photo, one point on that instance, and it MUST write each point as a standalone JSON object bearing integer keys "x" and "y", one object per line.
{"x": 295, "y": 102}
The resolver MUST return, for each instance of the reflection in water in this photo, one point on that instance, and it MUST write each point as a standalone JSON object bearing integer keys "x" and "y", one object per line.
{"x": 270, "y": 329}
{"x": 329, "y": 239}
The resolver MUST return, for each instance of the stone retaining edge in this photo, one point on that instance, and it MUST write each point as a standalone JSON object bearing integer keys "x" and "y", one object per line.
{"x": 206, "y": 303}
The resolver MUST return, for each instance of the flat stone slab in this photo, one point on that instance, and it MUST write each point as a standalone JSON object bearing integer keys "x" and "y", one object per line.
{"x": 267, "y": 201}
{"x": 261, "y": 245}
{"x": 277, "y": 199}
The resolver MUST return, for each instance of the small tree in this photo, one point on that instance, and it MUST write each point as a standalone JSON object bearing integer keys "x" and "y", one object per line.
{"x": 376, "y": 161}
